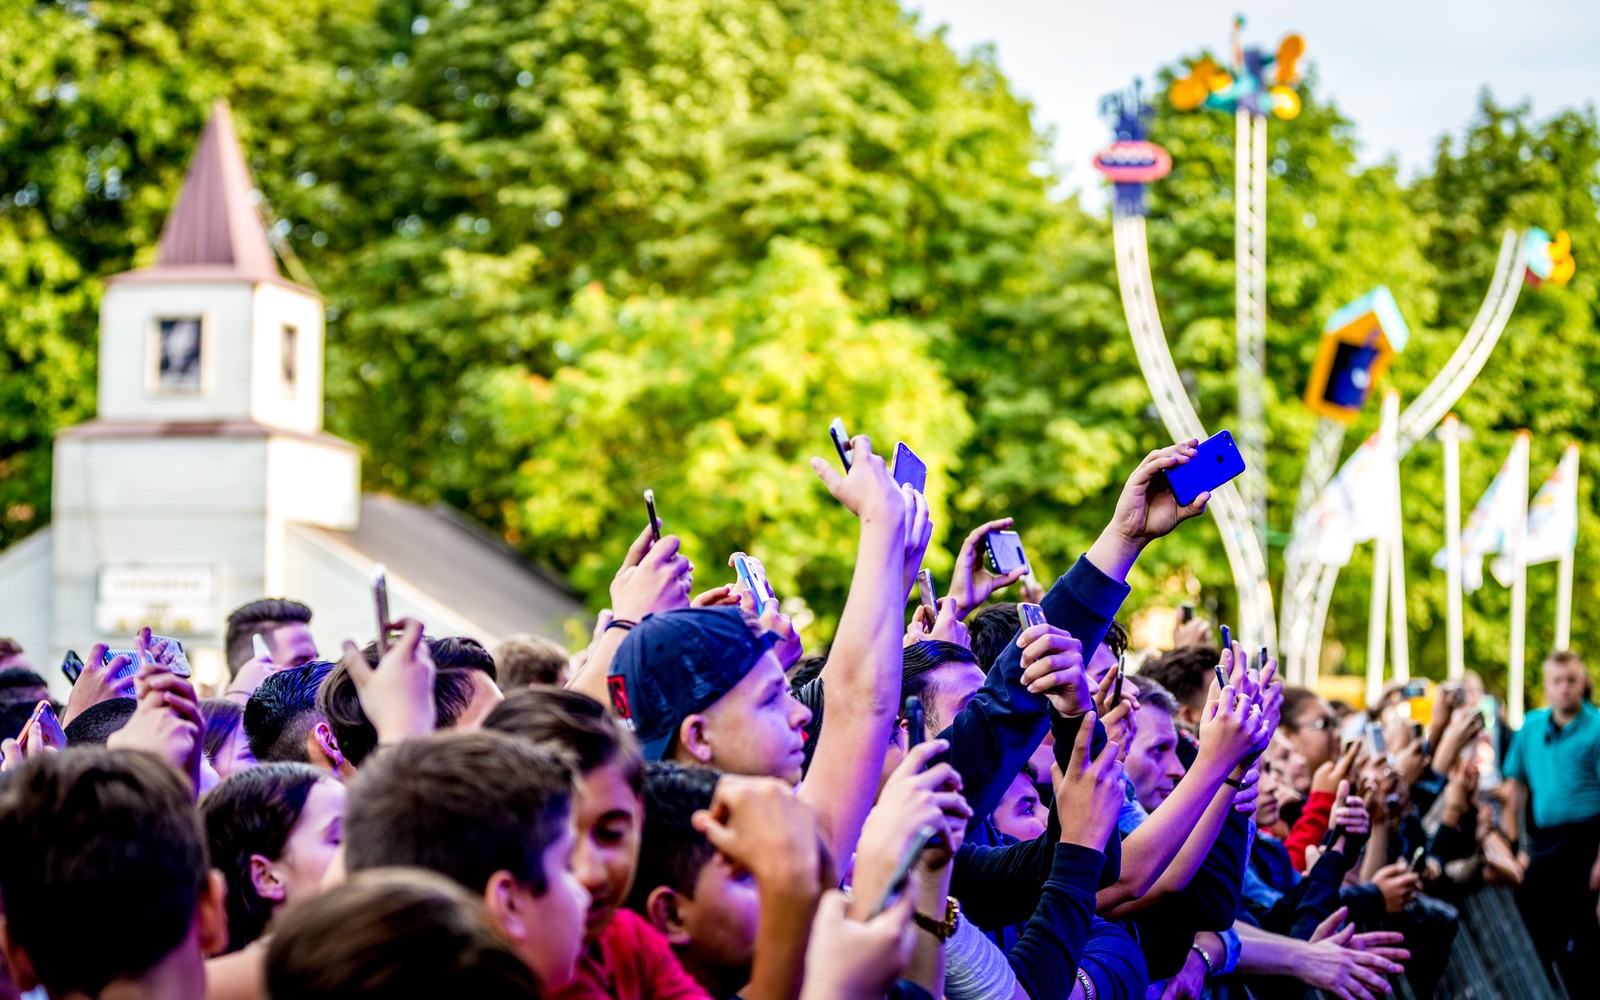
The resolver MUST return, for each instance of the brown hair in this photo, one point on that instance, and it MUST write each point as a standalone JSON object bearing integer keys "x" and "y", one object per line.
{"x": 9, "y": 647}
{"x": 529, "y": 659}
{"x": 394, "y": 934}
{"x": 573, "y": 723}
{"x": 263, "y": 615}
{"x": 465, "y": 804}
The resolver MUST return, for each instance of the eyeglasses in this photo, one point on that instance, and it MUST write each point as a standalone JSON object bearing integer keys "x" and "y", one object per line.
{"x": 1320, "y": 724}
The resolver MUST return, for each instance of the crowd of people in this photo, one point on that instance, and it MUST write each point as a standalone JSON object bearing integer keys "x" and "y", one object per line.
{"x": 963, "y": 804}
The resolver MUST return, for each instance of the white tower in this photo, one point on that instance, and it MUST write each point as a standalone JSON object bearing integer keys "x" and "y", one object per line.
{"x": 209, "y": 442}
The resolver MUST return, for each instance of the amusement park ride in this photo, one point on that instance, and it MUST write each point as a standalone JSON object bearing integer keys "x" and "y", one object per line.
{"x": 1359, "y": 341}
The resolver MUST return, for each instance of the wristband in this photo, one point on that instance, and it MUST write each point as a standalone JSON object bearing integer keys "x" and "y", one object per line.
{"x": 1211, "y": 968}
{"x": 1236, "y": 784}
{"x": 621, "y": 623}
{"x": 1087, "y": 984}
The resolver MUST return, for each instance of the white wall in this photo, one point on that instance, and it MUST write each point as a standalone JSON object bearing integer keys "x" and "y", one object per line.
{"x": 277, "y": 306}
{"x": 128, "y": 317}
{"x": 25, "y": 604}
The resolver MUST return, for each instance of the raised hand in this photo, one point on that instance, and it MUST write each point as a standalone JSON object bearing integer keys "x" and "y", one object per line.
{"x": 1229, "y": 727}
{"x": 397, "y": 696}
{"x": 945, "y": 625}
{"x": 868, "y": 490}
{"x": 1147, "y": 509}
{"x": 971, "y": 583}
{"x": 763, "y": 827}
{"x": 1194, "y": 632}
{"x": 1398, "y": 884}
{"x": 915, "y": 796}
{"x": 1331, "y": 773}
{"x": 1462, "y": 731}
{"x": 97, "y": 683}
{"x": 1351, "y": 966}
{"x": 654, "y": 576}
{"x": 918, "y": 533}
{"x": 1089, "y": 794}
{"x": 856, "y": 960}
{"x": 166, "y": 721}
{"x": 1052, "y": 665}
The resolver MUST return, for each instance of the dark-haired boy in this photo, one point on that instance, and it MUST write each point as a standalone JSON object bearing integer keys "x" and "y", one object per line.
{"x": 112, "y": 834}
{"x": 624, "y": 958}
{"x": 492, "y": 812}
{"x": 282, "y": 722}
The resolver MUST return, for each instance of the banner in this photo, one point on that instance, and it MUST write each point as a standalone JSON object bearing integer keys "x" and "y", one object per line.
{"x": 1489, "y": 526}
{"x": 1352, "y": 508}
{"x": 1552, "y": 519}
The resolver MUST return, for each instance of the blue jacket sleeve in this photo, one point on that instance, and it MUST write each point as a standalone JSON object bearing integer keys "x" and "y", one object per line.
{"x": 1113, "y": 960}
{"x": 1046, "y": 957}
{"x": 998, "y": 730}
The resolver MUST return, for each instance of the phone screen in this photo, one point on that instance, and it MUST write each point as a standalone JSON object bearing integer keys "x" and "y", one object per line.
{"x": 380, "y": 601}
{"x": 1005, "y": 552}
{"x": 1377, "y": 743}
{"x": 925, "y": 591}
{"x": 841, "y": 440}
{"x": 72, "y": 666}
{"x": 1031, "y": 615}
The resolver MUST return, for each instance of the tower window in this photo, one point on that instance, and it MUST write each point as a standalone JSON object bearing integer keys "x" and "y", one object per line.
{"x": 178, "y": 355}
{"x": 289, "y": 356}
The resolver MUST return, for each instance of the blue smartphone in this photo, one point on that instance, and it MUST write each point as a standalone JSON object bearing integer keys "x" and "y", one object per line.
{"x": 1216, "y": 461}
{"x": 909, "y": 470}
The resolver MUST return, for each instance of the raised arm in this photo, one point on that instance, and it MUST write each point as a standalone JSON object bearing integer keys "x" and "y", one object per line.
{"x": 863, "y": 672}
{"x": 654, "y": 576}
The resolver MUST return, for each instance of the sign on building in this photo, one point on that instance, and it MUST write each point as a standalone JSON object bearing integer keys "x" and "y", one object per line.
{"x": 172, "y": 600}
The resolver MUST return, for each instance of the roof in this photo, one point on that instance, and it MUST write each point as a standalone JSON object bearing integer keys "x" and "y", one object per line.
{"x": 458, "y": 565}
{"x": 1381, "y": 305}
{"x": 215, "y": 231}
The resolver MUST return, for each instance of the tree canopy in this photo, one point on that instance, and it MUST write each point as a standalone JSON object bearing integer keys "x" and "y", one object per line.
{"x": 575, "y": 248}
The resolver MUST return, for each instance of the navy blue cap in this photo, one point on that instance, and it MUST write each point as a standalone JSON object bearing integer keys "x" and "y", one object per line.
{"x": 677, "y": 663}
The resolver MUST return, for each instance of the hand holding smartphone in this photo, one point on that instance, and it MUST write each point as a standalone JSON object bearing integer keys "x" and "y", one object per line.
{"x": 1031, "y": 615}
{"x": 753, "y": 576}
{"x": 902, "y": 871}
{"x": 1216, "y": 461}
{"x": 841, "y": 441}
{"x": 927, "y": 594}
{"x": 1004, "y": 551}
{"x": 380, "y": 601}
{"x": 909, "y": 470}
{"x": 44, "y": 719}
{"x": 650, "y": 511}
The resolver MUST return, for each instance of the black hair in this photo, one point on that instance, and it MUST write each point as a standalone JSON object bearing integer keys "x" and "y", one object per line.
{"x": 340, "y": 706}
{"x": 265, "y": 614}
{"x": 991, "y": 629}
{"x": 283, "y": 712}
{"x": 17, "y": 679}
{"x": 13, "y": 717}
{"x": 1186, "y": 672}
{"x": 573, "y": 723}
{"x": 112, "y": 834}
{"x": 222, "y": 717}
{"x": 1153, "y": 695}
{"x": 1116, "y": 639}
{"x": 95, "y": 724}
{"x": 672, "y": 851}
{"x": 253, "y": 812}
{"x": 465, "y": 804}
{"x": 921, "y": 659}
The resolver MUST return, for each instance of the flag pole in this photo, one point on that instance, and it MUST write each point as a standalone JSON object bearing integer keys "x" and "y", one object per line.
{"x": 1382, "y": 570}
{"x": 1564, "y": 580}
{"x": 1450, "y": 435}
{"x": 1401, "y": 642}
{"x": 1519, "y": 585}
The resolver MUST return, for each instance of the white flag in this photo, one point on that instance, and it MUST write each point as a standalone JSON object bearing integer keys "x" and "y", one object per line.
{"x": 1488, "y": 529}
{"x": 1552, "y": 519}
{"x": 1352, "y": 507}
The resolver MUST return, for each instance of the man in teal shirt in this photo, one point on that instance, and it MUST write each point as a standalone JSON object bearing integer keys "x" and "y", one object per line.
{"x": 1554, "y": 768}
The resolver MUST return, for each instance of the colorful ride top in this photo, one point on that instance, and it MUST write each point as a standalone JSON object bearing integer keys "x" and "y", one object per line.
{"x": 1259, "y": 83}
{"x": 1132, "y": 161}
{"x": 1549, "y": 259}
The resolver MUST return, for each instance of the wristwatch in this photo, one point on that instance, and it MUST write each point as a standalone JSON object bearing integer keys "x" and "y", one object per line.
{"x": 941, "y": 929}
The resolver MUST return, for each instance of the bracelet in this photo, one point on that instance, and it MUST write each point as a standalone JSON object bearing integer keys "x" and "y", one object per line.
{"x": 1236, "y": 784}
{"x": 621, "y": 623}
{"x": 1087, "y": 984}
{"x": 1211, "y": 968}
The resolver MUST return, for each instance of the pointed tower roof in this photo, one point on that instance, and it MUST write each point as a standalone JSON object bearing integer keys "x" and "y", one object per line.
{"x": 214, "y": 232}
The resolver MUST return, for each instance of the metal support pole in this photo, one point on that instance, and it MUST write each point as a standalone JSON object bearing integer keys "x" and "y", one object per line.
{"x": 1250, "y": 301}
{"x": 1450, "y": 436}
{"x": 1517, "y": 550}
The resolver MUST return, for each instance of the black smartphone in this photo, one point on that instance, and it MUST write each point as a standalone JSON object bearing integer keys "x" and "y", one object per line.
{"x": 1005, "y": 552}
{"x": 650, "y": 511}
{"x": 1419, "y": 860}
{"x": 1216, "y": 461}
{"x": 72, "y": 666}
{"x": 380, "y": 601}
{"x": 1227, "y": 644}
{"x": 1414, "y": 689}
{"x": 909, "y": 470}
{"x": 841, "y": 440}
{"x": 1185, "y": 614}
{"x": 916, "y": 722}
{"x": 1261, "y": 664}
{"x": 1122, "y": 672}
{"x": 902, "y": 871}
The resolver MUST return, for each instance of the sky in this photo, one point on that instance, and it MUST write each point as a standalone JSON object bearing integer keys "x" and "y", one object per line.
{"x": 1404, "y": 71}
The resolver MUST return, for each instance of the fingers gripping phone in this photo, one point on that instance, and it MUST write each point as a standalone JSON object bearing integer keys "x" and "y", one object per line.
{"x": 44, "y": 718}
{"x": 927, "y": 594}
{"x": 1031, "y": 615}
{"x": 909, "y": 470}
{"x": 753, "y": 576}
{"x": 1122, "y": 672}
{"x": 380, "y": 601}
{"x": 650, "y": 510}
{"x": 841, "y": 440}
{"x": 1005, "y": 552}
{"x": 1216, "y": 461}
{"x": 902, "y": 871}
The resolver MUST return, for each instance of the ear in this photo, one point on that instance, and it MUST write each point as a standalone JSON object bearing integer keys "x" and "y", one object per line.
{"x": 324, "y": 743}
{"x": 265, "y": 880}
{"x": 17, "y": 960}
{"x": 212, "y": 914}
{"x": 664, "y": 910}
{"x": 507, "y": 903}
{"x": 694, "y": 740}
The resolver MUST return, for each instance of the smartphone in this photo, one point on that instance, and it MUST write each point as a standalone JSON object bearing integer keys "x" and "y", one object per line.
{"x": 1185, "y": 614}
{"x": 1005, "y": 552}
{"x": 44, "y": 716}
{"x": 123, "y": 673}
{"x": 1227, "y": 638}
{"x": 258, "y": 645}
{"x": 928, "y": 595}
{"x": 753, "y": 576}
{"x": 1031, "y": 615}
{"x": 72, "y": 666}
{"x": 1417, "y": 732}
{"x": 1419, "y": 860}
{"x": 916, "y": 722}
{"x": 1227, "y": 644}
{"x": 1261, "y": 664}
{"x": 909, "y": 470}
{"x": 1122, "y": 672}
{"x": 1413, "y": 689}
{"x": 380, "y": 601}
{"x": 1216, "y": 461}
{"x": 650, "y": 511}
{"x": 841, "y": 441}
{"x": 902, "y": 872}
{"x": 1377, "y": 743}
